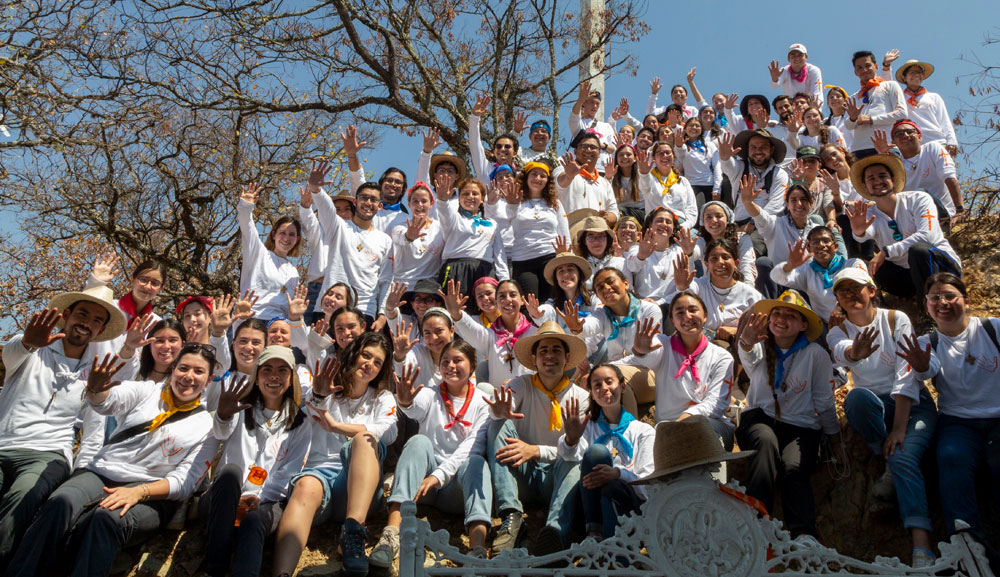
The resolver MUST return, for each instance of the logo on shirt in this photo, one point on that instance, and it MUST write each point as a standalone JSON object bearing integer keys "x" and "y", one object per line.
{"x": 797, "y": 385}
{"x": 986, "y": 364}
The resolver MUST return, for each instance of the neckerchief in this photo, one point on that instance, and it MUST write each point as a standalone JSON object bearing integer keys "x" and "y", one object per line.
{"x": 835, "y": 265}
{"x": 486, "y": 320}
{"x": 911, "y": 96}
{"x": 618, "y": 433}
{"x": 555, "y": 412}
{"x": 128, "y": 306}
{"x": 457, "y": 417}
{"x": 749, "y": 122}
{"x": 506, "y": 337}
{"x": 779, "y": 370}
{"x": 866, "y": 87}
{"x": 168, "y": 399}
{"x": 579, "y": 305}
{"x": 672, "y": 179}
{"x": 398, "y": 207}
{"x": 589, "y": 176}
{"x": 476, "y": 219}
{"x": 799, "y": 76}
{"x": 697, "y": 144}
{"x": 628, "y": 320}
{"x": 690, "y": 360}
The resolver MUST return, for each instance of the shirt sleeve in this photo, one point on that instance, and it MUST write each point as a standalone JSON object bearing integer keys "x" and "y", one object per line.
{"x": 776, "y": 196}
{"x": 719, "y": 381}
{"x": 422, "y": 402}
{"x": 479, "y": 162}
{"x": 906, "y": 384}
{"x": 190, "y": 472}
{"x": 250, "y": 243}
{"x": 476, "y": 334}
{"x": 424, "y": 167}
{"x": 473, "y": 444}
{"x": 822, "y": 391}
{"x": 897, "y": 102}
{"x": 92, "y": 438}
{"x": 385, "y": 426}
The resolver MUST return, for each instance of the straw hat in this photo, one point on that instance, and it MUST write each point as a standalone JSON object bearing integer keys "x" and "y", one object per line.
{"x": 589, "y": 224}
{"x": 778, "y": 147}
{"x": 895, "y": 167}
{"x": 345, "y": 195}
{"x": 99, "y": 295}
{"x": 284, "y": 354}
{"x": 566, "y": 258}
{"x": 793, "y": 300}
{"x": 451, "y": 158}
{"x": 928, "y": 70}
{"x": 550, "y": 330}
{"x": 680, "y": 445}
{"x": 580, "y": 214}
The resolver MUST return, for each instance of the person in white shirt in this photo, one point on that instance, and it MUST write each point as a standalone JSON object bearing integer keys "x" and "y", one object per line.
{"x": 42, "y": 399}
{"x": 812, "y": 263}
{"x": 207, "y": 321}
{"x": 836, "y": 174}
{"x": 651, "y": 261}
{"x": 579, "y": 183}
{"x": 417, "y": 245}
{"x": 904, "y": 225}
{"x": 266, "y": 439}
{"x": 892, "y": 411}
{"x": 583, "y": 117}
{"x": 613, "y": 449}
{"x": 678, "y": 96}
{"x": 266, "y": 269}
{"x": 755, "y": 113}
{"x": 662, "y": 187}
{"x": 539, "y": 133}
{"x": 434, "y": 331}
{"x": 698, "y": 156}
{"x": 814, "y": 133}
{"x": 836, "y": 101}
{"x": 716, "y": 221}
{"x": 929, "y": 167}
{"x": 926, "y": 109}
{"x": 961, "y": 356}
{"x": 354, "y": 418}
{"x": 445, "y": 462}
{"x": 798, "y": 76}
{"x": 158, "y": 456}
{"x": 523, "y": 437}
{"x": 596, "y": 243}
{"x": 623, "y": 173}
{"x": 789, "y": 405}
{"x": 148, "y": 279}
{"x": 567, "y": 274}
{"x": 755, "y": 153}
{"x": 390, "y": 186}
{"x": 879, "y": 103}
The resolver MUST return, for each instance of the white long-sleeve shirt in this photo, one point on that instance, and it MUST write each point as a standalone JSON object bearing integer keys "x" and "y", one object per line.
{"x": 482, "y": 167}
{"x": 725, "y": 306}
{"x": 598, "y": 326}
{"x": 835, "y": 137}
{"x": 780, "y": 230}
{"x": 607, "y": 131}
{"x": 883, "y": 372}
{"x": 708, "y": 396}
{"x": 771, "y": 200}
{"x": 180, "y": 452}
{"x": 319, "y": 249}
{"x": 917, "y": 220}
{"x": 701, "y": 168}
{"x": 964, "y": 369}
{"x": 582, "y": 193}
{"x": 806, "y": 398}
{"x": 678, "y": 199}
{"x": 886, "y": 104}
{"x": 687, "y": 110}
{"x": 748, "y": 257}
{"x": 269, "y": 446}
{"x": 466, "y": 239}
{"x": 533, "y": 223}
{"x": 454, "y": 446}
{"x": 812, "y": 85}
{"x": 640, "y": 435}
{"x": 377, "y": 413}
{"x": 385, "y": 219}
{"x": 931, "y": 115}
{"x": 500, "y": 358}
{"x": 804, "y": 279}
{"x": 535, "y": 406}
{"x": 929, "y": 170}
{"x": 267, "y": 274}
{"x": 419, "y": 259}
{"x": 654, "y": 276}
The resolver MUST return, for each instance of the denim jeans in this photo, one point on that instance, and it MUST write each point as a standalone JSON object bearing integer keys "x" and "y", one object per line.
{"x": 470, "y": 486}
{"x": 602, "y": 507}
{"x": 872, "y": 417}
{"x": 545, "y": 482}
{"x": 314, "y": 297}
{"x": 26, "y": 479}
{"x": 333, "y": 507}
{"x": 963, "y": 446}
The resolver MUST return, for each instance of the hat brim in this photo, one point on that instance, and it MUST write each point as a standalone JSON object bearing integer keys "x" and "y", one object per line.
{"x": 745, "y": 104}
{"x": 815, "y": 328}
{"x": 895, "y": 167}
{"x": 455, "y": 161}
{"x": 296, "y": 386}
{"x": 927, "y": 66}
{"x": 116, "y": 318}
{"x": 577, "y": 349}
{"x": 552, "y": 265}
{"x": 346, "y": 197}
{"x": 778, "y": 147}
{"x": 722, "y": 457}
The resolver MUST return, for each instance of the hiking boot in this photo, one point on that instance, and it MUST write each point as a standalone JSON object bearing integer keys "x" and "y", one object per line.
{"x": 352, "y": 546}
{"x": 883, "y": 488}
{"x": 548, "y": 540}
{"x": 509, "y": 531}
{"x": 387, "y": 548}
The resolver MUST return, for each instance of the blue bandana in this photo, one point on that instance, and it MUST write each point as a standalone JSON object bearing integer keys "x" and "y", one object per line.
{"x": 579, "y": 304}
{"x": 618, "y": 433}
{"x": 698, "y": 145}
{"x": 540, "y": 124}
{"x": 476, "y": 219}
{"x": 500, "y": 168}
{"x": 836, "y": 264}
{"x": 618, "y": 322}
{"x": 779, "y": 369}
{"x": 394, "y": 207}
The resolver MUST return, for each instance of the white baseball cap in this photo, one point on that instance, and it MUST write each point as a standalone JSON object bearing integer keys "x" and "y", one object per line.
{"x": 798, "y": 48}
{"x": 858, "y": 274}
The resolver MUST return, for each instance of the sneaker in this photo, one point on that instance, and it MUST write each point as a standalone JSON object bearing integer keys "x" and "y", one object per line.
{"x": 352, "y": 546}
{"x": 509, "y": 531}
{"x": 884, "y": 488}
{"x": 548, "y": 540}
{"x": 478, "y": 552}
{"x": 387, "y": 548}
{"x": 922, "y": 558}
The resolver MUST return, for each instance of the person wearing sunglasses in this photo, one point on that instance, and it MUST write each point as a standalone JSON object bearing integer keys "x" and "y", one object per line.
{"x": 904, "y": 225}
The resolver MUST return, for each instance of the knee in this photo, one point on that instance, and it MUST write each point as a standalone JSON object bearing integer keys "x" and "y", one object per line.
{"x": 362, "y": 442}
{"x": 419, "y": 443}
{"x": 229, "y": 475}
{"x": 308, "y": 491}
{"x": 859, "y": 399}
{"x": 597, "y": 455}
{"x": 106, "y": 522}
{"x": 955, "y": 456}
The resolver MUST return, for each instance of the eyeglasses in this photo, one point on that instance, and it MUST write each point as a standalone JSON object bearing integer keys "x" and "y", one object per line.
{"x": 946, "y": 298}
{"x": 896, "y": 235}
{"x": 503, "y": 147}
{"x": 149, "y": 281}
{"x": 197, "y": 348}
{"x": 369, "y": 199}
{"x": 905, "y": 132}
{"x": 849, "y": 290}
{"x": 589, "y": 147}
{"x": 425, "y": 299}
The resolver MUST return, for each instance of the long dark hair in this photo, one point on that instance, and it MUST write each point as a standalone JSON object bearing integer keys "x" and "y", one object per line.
{"x": 349, "y": 356}
{"x": 633, "y": 184}
{"x": 559, "y": 295}
{"x": 146, "y": 362}
{"x": 728, "y": 246}
{"x": 293, "y": 415}
{"x": 549, "y": 193}
{"x": 594, "y": 410}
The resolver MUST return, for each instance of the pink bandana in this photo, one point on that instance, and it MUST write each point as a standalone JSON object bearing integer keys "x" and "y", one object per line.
{"x": 505, "y": 337}
{"x": 690, "y": 361}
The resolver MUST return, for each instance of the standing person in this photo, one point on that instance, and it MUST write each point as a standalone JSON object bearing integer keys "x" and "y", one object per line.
{"x": 698, "y": 157}
{"x": 891, "y": 410}
{"x": 678, "y": 96}
{"x": 879, "y": 103}
{"x": 961, "y": 356}
{"x": 798, "y": 76}
{"x": 623, "y": 174}
{"x": 789, "y": 405}
{"x": 578, "y": 182}
{"x": 390, "y": 187}
{"x": 539, "y": 133}
{"x": 355, "y": 420}
{"x": 266, "y": 439}
{"x": 523, "y": 437}
{"x": 42, "y": 398}
{"x": 662, "y": 187}
{"x": 319, "y": 250}
{"x": 583, "y": 117}
{"x": 903, "y": 224}
{"x": 266, "y": 269}
{"x": 417, "y": 244}
{"x": 926, "y": 109}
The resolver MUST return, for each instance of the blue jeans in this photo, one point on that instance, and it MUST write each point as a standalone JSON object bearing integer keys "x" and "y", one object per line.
{"x": 601, "y": 507}
{"x": 872, "y": 417}
{"x": 546, "y": 482}
{"x": 963, "y": 445}
{"x": 314, "y": 298}
{"x": 334, "y": 504}
{"x": 470, "y": 486}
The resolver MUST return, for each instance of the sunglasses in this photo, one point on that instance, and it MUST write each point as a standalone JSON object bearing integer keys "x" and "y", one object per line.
{"x": 896, "y": 234}
{"x": 197, "y": 348}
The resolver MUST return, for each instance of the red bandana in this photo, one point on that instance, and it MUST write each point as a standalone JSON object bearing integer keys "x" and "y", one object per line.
{"x": 127, "y": 306}
{"x": 911, "y": 96}
{"x": 457, "y": 418}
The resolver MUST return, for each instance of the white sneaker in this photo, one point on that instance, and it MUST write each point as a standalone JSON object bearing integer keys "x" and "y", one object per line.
{"x": 387, "y": 548}
{"x": 884, "y": 488}
{"x": 922, "y": 558}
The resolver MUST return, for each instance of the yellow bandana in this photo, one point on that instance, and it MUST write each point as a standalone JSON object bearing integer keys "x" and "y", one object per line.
{"x": 168, "y": 399}
{"x": 672, "y": 179}
{"x": 555, "y": 411}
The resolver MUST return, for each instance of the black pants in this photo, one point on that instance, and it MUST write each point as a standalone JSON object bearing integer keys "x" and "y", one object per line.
{"x": 27, "y": 478}
{"x": 786, "y": 456}
{"x": 530, "y": 275}
{"x": 465, "y": 272}
{"x": 924, "y": 261}
{"x": 863, "y": 250}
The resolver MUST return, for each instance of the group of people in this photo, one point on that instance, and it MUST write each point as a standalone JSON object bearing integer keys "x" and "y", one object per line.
{"x": 494, "y": 331}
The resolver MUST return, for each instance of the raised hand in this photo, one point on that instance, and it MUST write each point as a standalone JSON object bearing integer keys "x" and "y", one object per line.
{"x": 99, "y": 380}
{"x": 406, "y": 387}
{"x": 775, "y": 69}
{"x": 305, "y": 197}
{"x": 443, "y": 182}
{"x": 691, "y": 73}
{"x": 401, "y": 340}
{"x": 415, "y": 227}
{"x": 573, "y": 424}
{"x": 731, "y": 101}
{"x": 643, "y": 160}
{"x": 351, "y": 143}
{"x": 646, "y": 245}
{"x": 686, "y": 240}
{"x": 857, "y": 212}
{"x": 251, "y": 192}
{"x": 136, "y": 332}
{"x": 482, "y": 104}
{"x": 432, "y": 139}
{"x": 881, "y": 142}
{"x": 794, "y": 123}
{"x": 396, "y": 292}
{"x": 863, "y": 346}
{"x": 570, "y": 165}
{"x": 320, "y": 327}
{"x": 531, "y": 305}
{"x": 570, "y": 315}
{"x": 106, "y": 267}
{"x": 726, "y": 148}
{"x": 229, "y": 398}
{"x": 243, "y": 309}
{"x": 318, "y": 172}
{"x": 298, "y": 304}
{"x": 919, "y": 358}
{"x": 890, "y": 57}
{"x": 454, "y": 300}
{"x": 503, "y": 403}
{"x": 583, "y": 92}
{"x": 561, "y": 244}
{"x": 520, "y": 121}
{"x": 754, "y": 329}
{"x": 830, "y": 180}
{"x": 748, "y": 189}
{"x": 683, "y": 275}
{"x": 655, "y": 86}
{"x": 679, "y": 136}
{"x": 38, "y": 333}
{"x": 323, "y": 376}
{"x": 616, "y": 247}
{"x": 797, "y": 168}
{"x": 798, "y": 254}
{"x": 853, "y": 110}
{"x": 611, "y": 166}
{"x": 510, "y": 191}
{"x": 644, "y": 337}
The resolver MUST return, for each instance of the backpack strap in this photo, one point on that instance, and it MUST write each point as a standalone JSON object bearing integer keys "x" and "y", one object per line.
{"x": 990, "y": 331}
{"x": 135, "y": 430}
{"x": 892, "y": 323}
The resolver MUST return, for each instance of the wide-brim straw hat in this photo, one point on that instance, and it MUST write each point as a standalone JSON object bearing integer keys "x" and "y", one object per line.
{"x": 345, "y": 195}
{"x": 285, "y": 354}
{"x": 778, "y": 147}
{"x": 895, "y": 167}
{"x": 451, "y": 158}
{"x": 927, "y": 66}
{"x": 589, "y": 224}
{"x": 566, "y": 258}
{"x": 550, "y": 330}
{"x": 99, "y": 295}
{"x": 680, "y": 445}
{"x": 791, "y": 299}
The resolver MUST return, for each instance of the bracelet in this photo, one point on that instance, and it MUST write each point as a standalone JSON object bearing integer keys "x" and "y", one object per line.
{"x": 745, "y": 344}
{"x": 145, "y": 493}
{"x": 317, "y": 398}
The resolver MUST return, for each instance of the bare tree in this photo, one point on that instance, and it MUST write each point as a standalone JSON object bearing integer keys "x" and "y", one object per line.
{"x": 980, "y": 119}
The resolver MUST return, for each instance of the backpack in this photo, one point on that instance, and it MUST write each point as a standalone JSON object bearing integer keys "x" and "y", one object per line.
{"x": 987, "y": 326}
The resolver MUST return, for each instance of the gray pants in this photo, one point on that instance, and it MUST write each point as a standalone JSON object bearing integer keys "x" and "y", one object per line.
{"x": 97, "y": 533}
{"x": 27, "y": 478}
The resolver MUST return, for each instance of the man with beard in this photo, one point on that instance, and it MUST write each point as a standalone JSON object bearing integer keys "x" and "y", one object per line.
{"x": 879, "y": 103}
{"x": 391, "y": 185}
{"x": 42, "y": 399}
{"x": 578, "y": 183}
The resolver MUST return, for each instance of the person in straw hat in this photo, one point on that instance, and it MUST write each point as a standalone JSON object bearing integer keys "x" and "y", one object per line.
{"x": 566, "y": 274}
{"x": 523, "y": 436}
{"x": 904, "y": 225}
{"x": 789, "y": 405}
{"x": 42, "y": 399}
{"x": 680, "y": 446}
{"x": 266, "y": 440}
{"x": 926, "y": 109}
{"x": 596, "y": 242}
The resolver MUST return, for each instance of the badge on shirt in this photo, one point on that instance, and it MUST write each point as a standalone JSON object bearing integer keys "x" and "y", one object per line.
{"x": 360, "y": 247}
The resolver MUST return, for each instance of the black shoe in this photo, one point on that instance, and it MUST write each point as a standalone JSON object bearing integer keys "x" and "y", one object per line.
{"x": 548, "y": 540}
{"x": 353, "y": 537}
{"x": 509, "y": 531}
